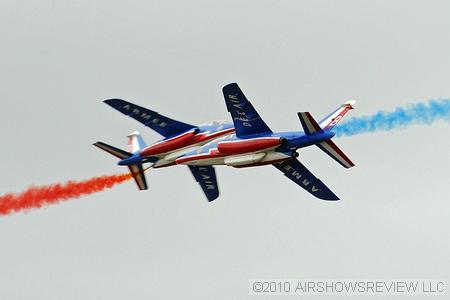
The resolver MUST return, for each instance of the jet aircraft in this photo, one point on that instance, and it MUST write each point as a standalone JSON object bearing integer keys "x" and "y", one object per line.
{"x": 179, "y": 138}
{"x": 255, "y": 144}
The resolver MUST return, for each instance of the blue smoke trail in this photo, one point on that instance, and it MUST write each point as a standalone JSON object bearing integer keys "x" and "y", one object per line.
{"x": 418, "y": 113}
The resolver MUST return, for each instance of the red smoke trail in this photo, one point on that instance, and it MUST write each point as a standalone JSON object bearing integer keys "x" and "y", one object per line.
{"x": 38, "y": 196}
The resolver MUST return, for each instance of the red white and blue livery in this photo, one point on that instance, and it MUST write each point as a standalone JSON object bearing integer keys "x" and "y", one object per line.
{"x": 255, "y": 144}
{"x": 179, "y": 138}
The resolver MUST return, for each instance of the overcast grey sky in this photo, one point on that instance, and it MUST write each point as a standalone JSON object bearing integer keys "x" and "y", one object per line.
{"x": 59, "y": 59}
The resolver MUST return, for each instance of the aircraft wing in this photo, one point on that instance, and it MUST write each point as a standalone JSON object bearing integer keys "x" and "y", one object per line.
{"x": 245, "y": 118}
{"x": 163, "y": 125}
{"x": 298, "y": 173}
{"x": 206, "y": 177}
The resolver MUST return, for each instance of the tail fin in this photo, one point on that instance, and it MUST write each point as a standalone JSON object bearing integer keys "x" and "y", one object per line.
{"x": 136, "y": 170}
{"x": 332, "y": 119}
{"x": 135, "y": 142}
{"x": 310, "y": 126}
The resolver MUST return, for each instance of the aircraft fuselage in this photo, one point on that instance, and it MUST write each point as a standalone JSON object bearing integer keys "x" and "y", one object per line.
{"x": 252, "y": 150}
{"x": 164, "y": 152}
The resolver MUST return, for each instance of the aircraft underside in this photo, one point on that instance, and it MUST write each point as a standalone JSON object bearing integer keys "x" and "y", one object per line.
{"x": 241, "y": 160}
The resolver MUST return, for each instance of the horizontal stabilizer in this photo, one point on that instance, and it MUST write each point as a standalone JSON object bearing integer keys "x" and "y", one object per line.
{"x": 139, "y": 177}
{"x": 330, "y": 148}
{"x": 113, "y": 150}
{"x": 310, "y": 125}
{"x": 136, "y": 170}
{"x": 298, "y": 173}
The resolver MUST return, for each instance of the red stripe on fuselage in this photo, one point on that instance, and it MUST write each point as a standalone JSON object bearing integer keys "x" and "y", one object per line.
{"x": 181, "y": 141}
{"x": 245, "y": 146}
{"x": 168, "y": 145}
{"x": 205, "y": 137}
{"x": 213, "y": 153}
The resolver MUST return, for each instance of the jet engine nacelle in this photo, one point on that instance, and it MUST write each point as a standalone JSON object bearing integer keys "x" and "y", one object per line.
{"x": 250, "y": 145}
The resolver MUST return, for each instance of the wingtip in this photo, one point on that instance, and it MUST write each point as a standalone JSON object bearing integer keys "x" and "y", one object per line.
{"x": 335, "y": 198}
{"x": 229, "y": 85}
{"x": 112, "y": 101}
{"x": 211, "y": 199}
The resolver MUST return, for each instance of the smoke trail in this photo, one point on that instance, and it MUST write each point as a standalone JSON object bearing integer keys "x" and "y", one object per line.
{"x": 401, "y": 117}
{"x": 35, "y": 197}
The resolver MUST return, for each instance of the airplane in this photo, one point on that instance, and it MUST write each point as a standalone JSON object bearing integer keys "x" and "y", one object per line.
{"x": 179, "y": 138}
{"x": 255, "y": 144}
